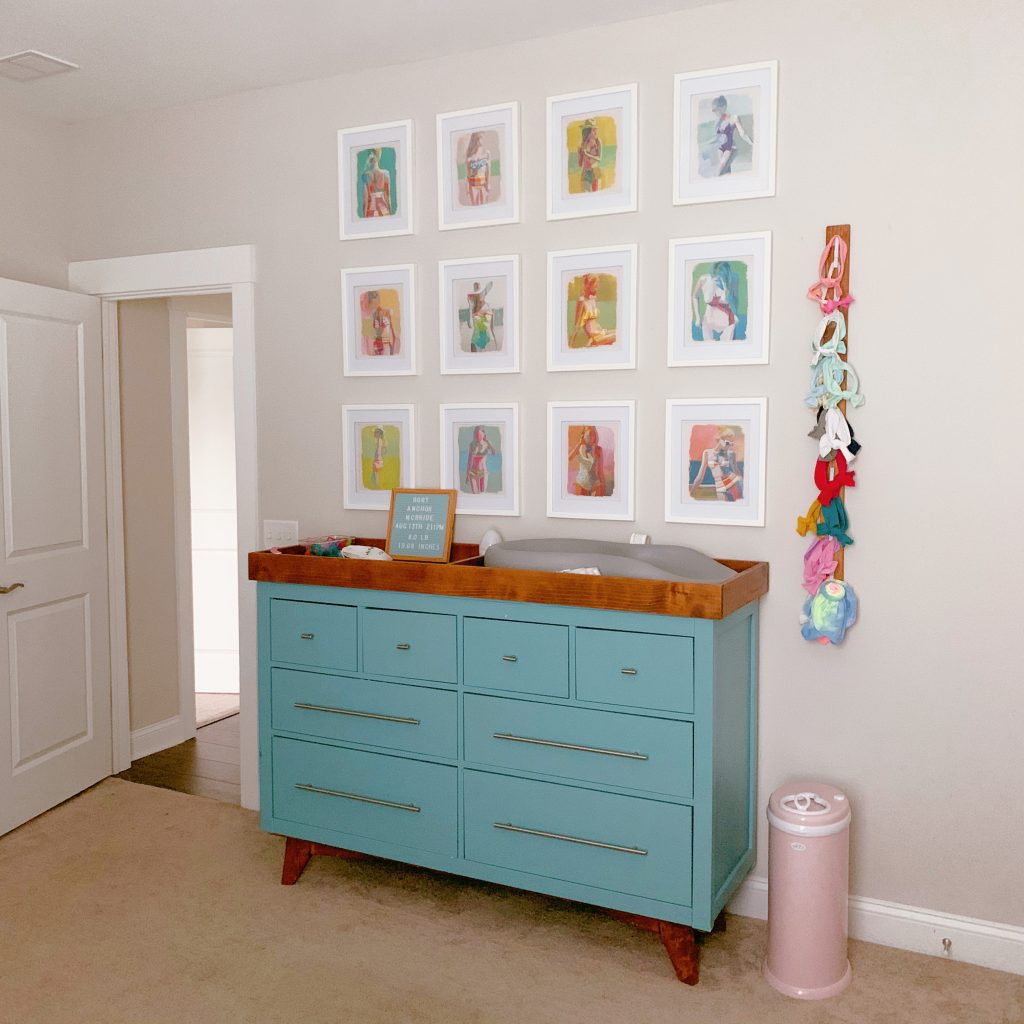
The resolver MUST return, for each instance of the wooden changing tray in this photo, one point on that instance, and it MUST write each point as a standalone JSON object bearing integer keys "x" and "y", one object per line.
{"x": 467, "y": 576}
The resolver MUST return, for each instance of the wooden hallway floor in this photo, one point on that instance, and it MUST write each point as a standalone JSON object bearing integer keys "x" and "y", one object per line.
{"x": 205, "y": 766}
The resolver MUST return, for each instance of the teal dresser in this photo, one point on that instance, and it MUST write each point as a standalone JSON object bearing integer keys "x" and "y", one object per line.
{"x": 598, "y": 754}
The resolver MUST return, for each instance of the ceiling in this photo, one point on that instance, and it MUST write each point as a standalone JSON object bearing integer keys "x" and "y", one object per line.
{"x": 143, "y": 54}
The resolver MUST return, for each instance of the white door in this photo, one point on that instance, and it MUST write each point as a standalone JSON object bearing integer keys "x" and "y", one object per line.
{"x": 55, "y": 716}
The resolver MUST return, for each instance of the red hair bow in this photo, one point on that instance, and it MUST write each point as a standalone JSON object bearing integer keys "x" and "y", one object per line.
{"x": 830, "y": 488}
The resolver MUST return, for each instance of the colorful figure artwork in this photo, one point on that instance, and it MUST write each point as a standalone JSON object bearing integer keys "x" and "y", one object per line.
{"x": 478, "y": 161}
{"x": 377, "y": 182}
{"x": 480, "y": 459}
{"x": 590, "y": 468}
{"x": 716, "y": 456}
{"x": 380, "y": 314}
{"x": 719, "y": 300}
{"x": 591, "y": 309}
{"x": 380, "y": 450}
{"x": 724, "y": 125}
{"x": 481, "y": 314}
{"x": 591, "y": 148}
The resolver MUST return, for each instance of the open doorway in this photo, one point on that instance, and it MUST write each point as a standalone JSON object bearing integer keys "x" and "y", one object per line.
{"x": 191, "y": 273}
{"x": 212, "y": 508}
{"x": 178, "y": 448}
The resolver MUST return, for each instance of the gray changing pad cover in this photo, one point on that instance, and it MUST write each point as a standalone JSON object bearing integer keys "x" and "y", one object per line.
{"x": 639, "y": 561}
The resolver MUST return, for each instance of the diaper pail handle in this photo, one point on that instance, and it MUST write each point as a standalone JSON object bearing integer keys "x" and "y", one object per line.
{"x": 801, "y": 803}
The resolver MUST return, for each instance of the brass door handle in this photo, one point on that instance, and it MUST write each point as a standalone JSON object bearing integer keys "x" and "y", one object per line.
{"x": 13, "y": 586}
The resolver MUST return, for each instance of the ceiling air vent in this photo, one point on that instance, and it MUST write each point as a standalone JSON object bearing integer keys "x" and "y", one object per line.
{"x": 31, "y": 64}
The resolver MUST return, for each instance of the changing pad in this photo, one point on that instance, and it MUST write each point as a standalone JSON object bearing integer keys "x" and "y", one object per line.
{"x": 638, "y": 561}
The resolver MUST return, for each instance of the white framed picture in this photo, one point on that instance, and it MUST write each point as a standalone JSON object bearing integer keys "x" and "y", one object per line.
{"x": 375, "y": 180}
{"x": 479, "y": 311}
{"x": 591, "y": 459}
{"x": 378, "y": 324}
{"x": 592, "y": 152}
{"x": 719, "y": 299}
{"x": 480, "y": 457}
{"x": 478, "y": 167}
{"x": 378, "y": 453}
{"x": 592, "y": 311}
{"x": 725, "y": 133}
{"x": 715, "y": 455}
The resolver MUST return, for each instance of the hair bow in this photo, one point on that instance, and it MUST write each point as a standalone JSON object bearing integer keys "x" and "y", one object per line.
{"x": 805, "y": 524}
{"x": 835, "y": 522}
{"x": 829, "y": 487}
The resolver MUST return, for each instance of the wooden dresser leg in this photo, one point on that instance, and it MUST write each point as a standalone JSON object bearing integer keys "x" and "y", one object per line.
{"x": 296, "y": 856}
{"x": 681, "y": 946}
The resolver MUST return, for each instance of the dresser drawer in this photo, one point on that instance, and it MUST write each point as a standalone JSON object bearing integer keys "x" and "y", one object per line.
{"x": 640, "y": 670}
{"x": 622, "y": 843}
{"x": 650, "y": 754}
{"x": 416, "y": 645}
{"x": 528, "y": 657}
{"x": 412, "y": 718}
{"x": 317, "y": 635}
{"x": 392, "y": 799}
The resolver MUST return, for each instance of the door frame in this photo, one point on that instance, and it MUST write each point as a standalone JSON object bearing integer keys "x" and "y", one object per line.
{"x": 171, "y": 275}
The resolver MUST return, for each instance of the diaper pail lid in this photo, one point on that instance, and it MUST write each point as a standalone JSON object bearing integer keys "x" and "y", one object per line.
{"x": 809, "y": 809}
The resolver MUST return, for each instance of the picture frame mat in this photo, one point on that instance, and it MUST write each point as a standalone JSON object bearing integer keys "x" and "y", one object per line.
{"x": 450, "y": 219}
{"x": 569, "y": 260}
{"x": 352, "y": 416}
{"x": 755, "y": 411}
{"x": 577, "y": 506}
{"x": 629, "y": 200}
{"x": 765, "y": 186}
{"x": 510, "y": 455}
{"x": 453, "y": 362}
{"x": 744, "y": 353}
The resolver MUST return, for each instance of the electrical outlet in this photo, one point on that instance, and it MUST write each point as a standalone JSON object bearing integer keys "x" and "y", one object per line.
{"x": 278, "y": 533}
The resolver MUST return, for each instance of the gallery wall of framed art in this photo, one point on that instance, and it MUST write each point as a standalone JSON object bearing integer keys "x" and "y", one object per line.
{"x": 514, "y": 307}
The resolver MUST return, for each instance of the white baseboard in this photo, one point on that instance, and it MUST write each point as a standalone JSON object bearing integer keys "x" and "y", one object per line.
{"x": 158, "y": 736}
{"x": 986, "y": 943}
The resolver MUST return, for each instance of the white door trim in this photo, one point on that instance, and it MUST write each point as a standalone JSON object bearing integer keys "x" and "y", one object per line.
{"x": 200, "y": 271}
{"x": 181, "y": 473}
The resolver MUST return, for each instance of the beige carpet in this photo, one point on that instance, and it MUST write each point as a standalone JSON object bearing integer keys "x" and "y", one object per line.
{"x": 144, "y": 906}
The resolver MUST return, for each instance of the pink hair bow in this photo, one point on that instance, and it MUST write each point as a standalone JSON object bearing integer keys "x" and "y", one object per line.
{"x": 820, "y": 562}
{"x": 831, "y": 280}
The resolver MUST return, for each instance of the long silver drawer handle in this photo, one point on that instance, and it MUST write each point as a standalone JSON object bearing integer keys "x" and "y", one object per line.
{"x": 402, "y": 647}
{"x": 570, "y": 746}
{"x": 358, "y": 714}
{"x": 571, "y": 839}
{"x": 629, "y": 672}
{"x": 307, "y": 636}
{"x": 307, "y": 788}
{"x": 509, "y": 657}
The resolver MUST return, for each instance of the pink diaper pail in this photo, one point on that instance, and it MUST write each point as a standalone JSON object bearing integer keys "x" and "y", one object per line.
{"x": 808, "y": 885}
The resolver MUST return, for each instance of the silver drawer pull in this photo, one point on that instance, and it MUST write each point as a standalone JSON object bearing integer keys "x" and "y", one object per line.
{"x": 509, "y": 657}
{"x": 402, "y": 647}
{"x": 629, "y": 672}
{"x": 571, "y": 839}
{"x": 570, "y": 746}
{"x": 358, "y": 714}
{"x": 307, "y": 636}
{"x": 307, "y": 788}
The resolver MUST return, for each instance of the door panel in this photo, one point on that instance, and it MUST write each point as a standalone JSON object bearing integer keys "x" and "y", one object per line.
{"x": 42, "y": 406}
{"x": 55, "y": 715}
{"x": 51, "y": 680}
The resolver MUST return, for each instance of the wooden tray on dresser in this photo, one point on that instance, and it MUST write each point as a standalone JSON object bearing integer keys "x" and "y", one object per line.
{"x": 467, "y": 576}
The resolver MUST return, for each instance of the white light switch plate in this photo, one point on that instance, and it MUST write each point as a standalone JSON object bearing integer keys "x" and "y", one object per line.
{"x": 277, "y": 533}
